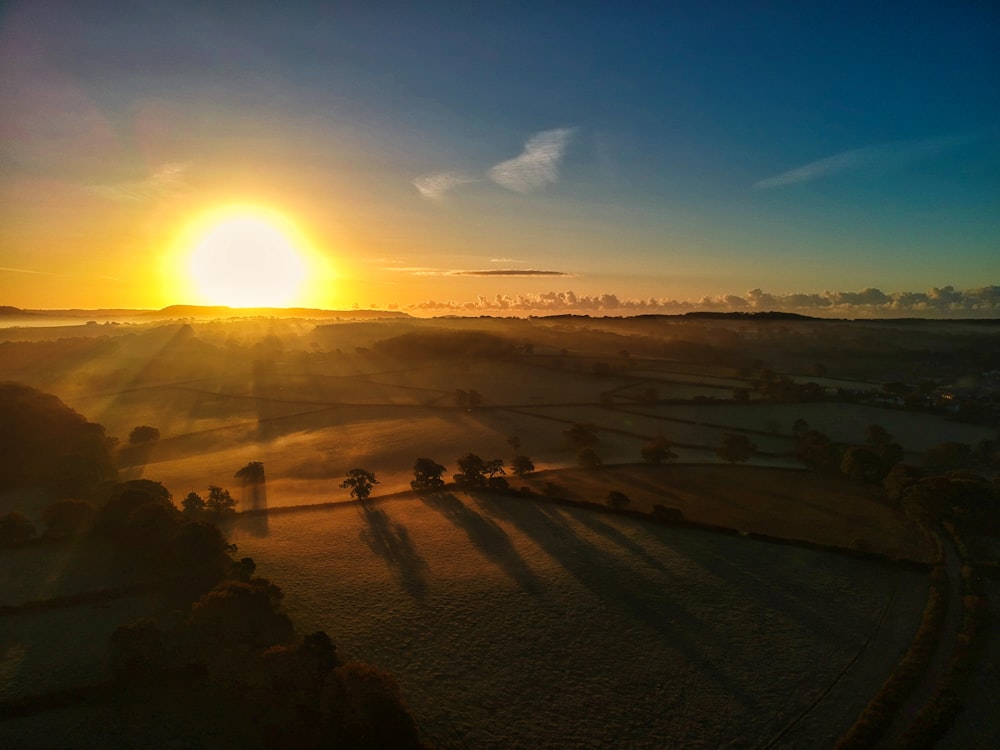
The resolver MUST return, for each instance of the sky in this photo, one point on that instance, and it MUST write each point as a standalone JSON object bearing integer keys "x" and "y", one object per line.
{"x": 502, "y": 157}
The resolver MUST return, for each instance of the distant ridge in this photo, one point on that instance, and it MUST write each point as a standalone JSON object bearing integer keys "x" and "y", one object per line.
{"x": 175, "y": 312}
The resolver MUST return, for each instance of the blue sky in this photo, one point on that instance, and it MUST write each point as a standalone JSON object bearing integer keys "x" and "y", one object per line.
{"x": 674, "y": 153}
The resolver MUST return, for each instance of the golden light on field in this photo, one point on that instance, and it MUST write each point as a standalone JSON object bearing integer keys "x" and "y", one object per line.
{"x": 246, "y": 256}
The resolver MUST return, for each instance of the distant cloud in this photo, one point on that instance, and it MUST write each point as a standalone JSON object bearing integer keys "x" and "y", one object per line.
{"x": 506, "y": 260}
{"x": 166, "y": 180}
{"x": 868, "y": 303}
{"x": 537, "y": 165}
{"x": 885, "y": 156}
{"x": 508, "y": 272}
{"x": 436, "y": 186}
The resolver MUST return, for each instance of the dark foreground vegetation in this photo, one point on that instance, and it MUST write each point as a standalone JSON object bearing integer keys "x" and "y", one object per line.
{"x": 223, "y": 636}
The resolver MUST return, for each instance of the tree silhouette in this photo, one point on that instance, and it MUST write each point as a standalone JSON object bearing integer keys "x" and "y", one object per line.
{"x": 427, "y": 474}
{"x": 735, "y": 448}
{"x": 143, "y": 435}
{"x": 579, "y": 436}
{"x": 521, "y": 466}
{"x": 658, "y": 451}
{"x": 15, "y": 528}
{"x": 252, "y": 473}
{"x": 495, "y": 474}
{"x": 219, "y": 501}
{"x": 471, "y": 470}
{"x": 360, "y": 482}
{"x": 617, "y": 500}
{"x": 588, "y": 458}
{"x": 193, "y": 506}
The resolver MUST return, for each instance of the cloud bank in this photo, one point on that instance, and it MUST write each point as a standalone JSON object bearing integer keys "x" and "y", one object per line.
{"x": 884, "y": 157}
{"x": 534, "y": 168}
{"x": 868, "y": 303}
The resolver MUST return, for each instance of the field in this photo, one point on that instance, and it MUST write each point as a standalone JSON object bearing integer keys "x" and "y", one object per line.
{"x": 515, "y": 621}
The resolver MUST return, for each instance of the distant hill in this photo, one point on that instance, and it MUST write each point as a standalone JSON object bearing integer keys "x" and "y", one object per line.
{"x": 180, "y": 312}
{"x": 6, "y": 311}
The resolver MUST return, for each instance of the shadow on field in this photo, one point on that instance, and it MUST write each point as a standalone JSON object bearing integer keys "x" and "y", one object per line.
{"x": 391, "y": 541}
{"x": 805, "y": 600}
{"x": 616, "y": 584}
{"x": 486, "y": 535}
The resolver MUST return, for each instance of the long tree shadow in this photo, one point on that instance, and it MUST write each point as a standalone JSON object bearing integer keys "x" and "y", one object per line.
{"x": 803, "y": 599}
{"x": 617, "y": 585}
{"x": 391, "y": 541}
{"x": 486, "y": 535}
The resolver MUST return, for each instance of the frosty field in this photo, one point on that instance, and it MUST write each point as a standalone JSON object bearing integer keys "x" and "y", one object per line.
{"x": 511, "y": 623}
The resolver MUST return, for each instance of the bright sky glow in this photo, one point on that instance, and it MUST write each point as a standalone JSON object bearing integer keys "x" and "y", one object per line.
{"x": 498, "y": 156}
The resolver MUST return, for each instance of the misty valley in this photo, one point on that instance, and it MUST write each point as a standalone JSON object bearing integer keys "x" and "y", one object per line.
{"x": 226, "y": 529}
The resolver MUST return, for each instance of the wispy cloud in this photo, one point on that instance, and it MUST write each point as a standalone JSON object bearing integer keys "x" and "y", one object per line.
{"x": 536, "y": 166}
{"x": 166, "y": 180}
{"x": 868, "y": 303}
{"x": 436, "y": 186}
{"x": 27, "y": 270}
{"x": 881, "y": 157}
{"x": 509, "y": 272}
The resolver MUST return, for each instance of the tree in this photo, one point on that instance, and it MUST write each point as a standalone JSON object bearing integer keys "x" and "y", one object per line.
{"x": 193, "y": 506}
{"x": 252, "y": 473}
{"x": 521, "y": 466}
{"x": 137, "y": 653}
{"x": 143, "y": 435}
{"x": 241, "y": 613}
{"x": 876, "y": 434}
{"x": 899, "y": 479}
{"x": 588, "y": 458}
{"x": 658, "y": 451}
{"x": 579, "y": 436}
{"x": 360, "y": 482}
{"x": 219, "y": 501}
{"x": 617, "y": 500}
{"x": 427, "y": 474}
{"x": 493, "y": 469}
{"x": 861, "y": 464}
{"x": 15, "y": 528}
{"x": 67, "y": 517}
{"x": 471, "y": 470}
{"x": 735, "y": 448}
{"x": 800, "y": 427}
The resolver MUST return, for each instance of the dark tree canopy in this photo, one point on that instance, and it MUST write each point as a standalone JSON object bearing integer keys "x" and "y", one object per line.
{"x": 252, "y": 473}
{"x": 219, "y": 501}
{"x": 521, "y": 466}
{"x": 617, "y": 500}
{"x": 427, "y": 474}
{"x": 143, "y": 435}
{"x": 658, "y": 451}
{"x": 579, "y": 436}
{"x": 15, "y": 528}
{"x": 45, "y": 444}
{"x": 360, "y": 482}
{"x": 471, "y": 471}
{"x": 735, "y": 448}
{"x": 588, "y": 458}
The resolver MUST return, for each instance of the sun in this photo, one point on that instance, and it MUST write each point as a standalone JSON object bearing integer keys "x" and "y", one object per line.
{"x": 245, "y": 256}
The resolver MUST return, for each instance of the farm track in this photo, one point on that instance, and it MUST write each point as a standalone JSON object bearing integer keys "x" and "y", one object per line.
{"x": 937, "y": 667}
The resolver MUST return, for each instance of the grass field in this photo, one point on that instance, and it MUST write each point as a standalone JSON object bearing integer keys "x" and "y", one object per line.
{"x": 512, "y": 623}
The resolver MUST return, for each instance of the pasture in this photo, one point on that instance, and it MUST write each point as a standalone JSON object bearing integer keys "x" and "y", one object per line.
{"x": 517, "y": 624}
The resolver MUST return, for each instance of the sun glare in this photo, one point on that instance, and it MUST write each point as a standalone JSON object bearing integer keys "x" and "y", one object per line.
{"x": 246, "y": 256}
{"x": 246, "y": 261}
